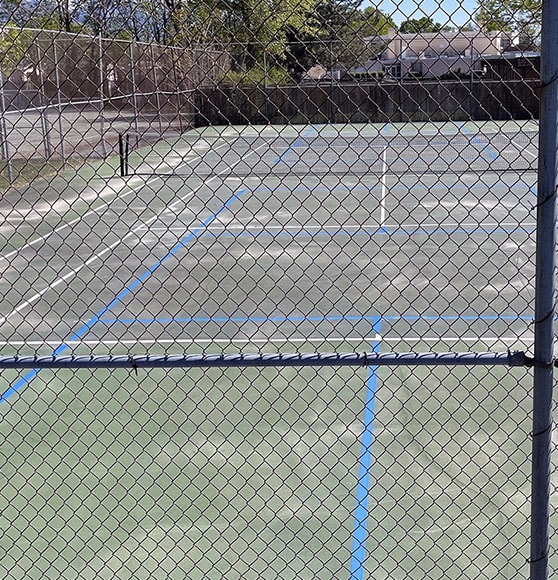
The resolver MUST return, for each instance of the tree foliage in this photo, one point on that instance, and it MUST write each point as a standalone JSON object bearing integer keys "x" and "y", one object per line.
{"x": 424, "y": 24}
{"x": 522, "y": 17}
{"x": 272, "y": 36}
{"x": 14, "y": 46}
{"x": 342, "y": 35}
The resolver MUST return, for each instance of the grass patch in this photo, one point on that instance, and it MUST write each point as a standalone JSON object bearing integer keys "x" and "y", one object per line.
{"x": 24, "y": 171}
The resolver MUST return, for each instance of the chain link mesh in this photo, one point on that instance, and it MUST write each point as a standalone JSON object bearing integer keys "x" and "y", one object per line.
{"x": 237, "y": 178}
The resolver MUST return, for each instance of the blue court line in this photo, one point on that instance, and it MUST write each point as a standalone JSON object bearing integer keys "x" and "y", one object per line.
{"x": 485, "y": 146}
{"x": 294, "y": 145}
{"x": 493, "y": 154}
{"x": 360, "y": 533}
{"x": 406, "y": 159}
{"x": 123, "y": 294}
{"x": 457, "y": 186}
{"x": 314, "y": 318}
{"x": 15, "y": 387}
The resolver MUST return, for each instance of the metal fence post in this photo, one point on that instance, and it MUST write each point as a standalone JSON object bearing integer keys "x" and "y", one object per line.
{"x": 134, "y": 89}
{"x": 177, "y": 86}
{"x": 156, "y": 87}
{"x": 102, "y": 97}
{"x": 545, "y": 293}
{"x": 58, "y": 95}
{"x": 5, "y": 148}
{"x": 44, "y": 105}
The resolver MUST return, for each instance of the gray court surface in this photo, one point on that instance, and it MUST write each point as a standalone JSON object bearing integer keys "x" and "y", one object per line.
{"x": 207, "y": 240}
{"x": 255, "y": 239}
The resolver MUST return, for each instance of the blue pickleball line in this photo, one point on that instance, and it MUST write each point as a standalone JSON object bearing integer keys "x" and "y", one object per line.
{"x": 360, "y": 533}
{"x": 25, "y": 379}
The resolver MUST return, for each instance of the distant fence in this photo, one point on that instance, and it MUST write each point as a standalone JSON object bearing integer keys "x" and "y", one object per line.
{"x": 49, "y": 65}
{"x": 70, "y": 94}
{"x": 375, "y": 102}
{"x": 64, "y": 95}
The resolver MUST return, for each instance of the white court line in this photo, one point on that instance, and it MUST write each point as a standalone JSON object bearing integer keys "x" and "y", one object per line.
{"x": 524, "y": 149}
{"x": 259, "y": 227}
{"x": 271, "y": 340}
{"x": 485, "y": 339}
{"x": 95, "y": 257}
{"x": 337, "y": 227}
{"x": 61, "y": 280}
{"x": 384, "y": 188}
{"x": 117, "y": 196}
{"x": 155, "y": 341}
{"x": 461, "y": 225}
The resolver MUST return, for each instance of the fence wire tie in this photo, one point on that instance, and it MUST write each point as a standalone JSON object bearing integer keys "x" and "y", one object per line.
{"x": 543, "y": 557}
{"x": 551, "y": 197}
{"x": 539, "y": 364}
{"x": 133, "y": 362}
{"x": 552, "y": 80}
{"x": 552, "y": 312}
{"x": 539, "y": 433}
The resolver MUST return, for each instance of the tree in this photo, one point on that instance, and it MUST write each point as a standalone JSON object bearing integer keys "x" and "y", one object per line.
{"x": 344, "y": 35}
{"x": 376, "y": 22}
{"x": 15, "y": 45}
{"x": 359, "y": 36}
{"x": 522, "y": 17}
{"x": 264, "y": 29}
{"x": 424, "y": 24}
{"x": 110, "y": 18}
{"x": 44, "y": 14}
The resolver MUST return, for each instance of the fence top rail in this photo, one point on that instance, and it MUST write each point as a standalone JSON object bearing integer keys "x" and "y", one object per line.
{"x": 512, "y": 359}
{"x": 92, "y": 37}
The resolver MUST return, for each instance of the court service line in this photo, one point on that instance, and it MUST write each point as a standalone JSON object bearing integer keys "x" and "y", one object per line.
{"x": 458, "y": 339}
{"x": 375, "y": 231}
{"x": 274, "y": 340}
{"x": 459, "y": 185}
{"x": 194, "y": 341}
{"x": 97, "y": 256}
{"x": 318, "y": 318}
{"x": 117, "y": 196}
{"x": 336, "y": 227}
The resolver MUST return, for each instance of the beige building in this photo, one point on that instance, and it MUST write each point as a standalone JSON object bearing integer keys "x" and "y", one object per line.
{"x": 433, "y": 54}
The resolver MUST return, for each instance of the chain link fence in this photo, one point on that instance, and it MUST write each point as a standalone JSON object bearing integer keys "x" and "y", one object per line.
{"x": 70, "y": 95}
{"x": 277, "y": 290}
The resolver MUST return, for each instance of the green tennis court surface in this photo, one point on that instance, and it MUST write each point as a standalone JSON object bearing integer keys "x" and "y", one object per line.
{"x": 318, "y": 238}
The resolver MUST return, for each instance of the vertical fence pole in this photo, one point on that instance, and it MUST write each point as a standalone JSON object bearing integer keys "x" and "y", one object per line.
{"x": 134, "y": 90}
{"x": 159, "y": 112}
{"x": 59, "y": 100}
{"x": 44, "y": 105}
{"x": 265, "y": 69}
{"x": 102, "y": 98}
{"x": 4, "y": 131}
{"x": 545, "y": 291}
{"x": 176, "y": 58}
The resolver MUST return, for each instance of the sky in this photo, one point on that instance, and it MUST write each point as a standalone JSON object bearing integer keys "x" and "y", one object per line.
{"x": 447, "y": 12}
